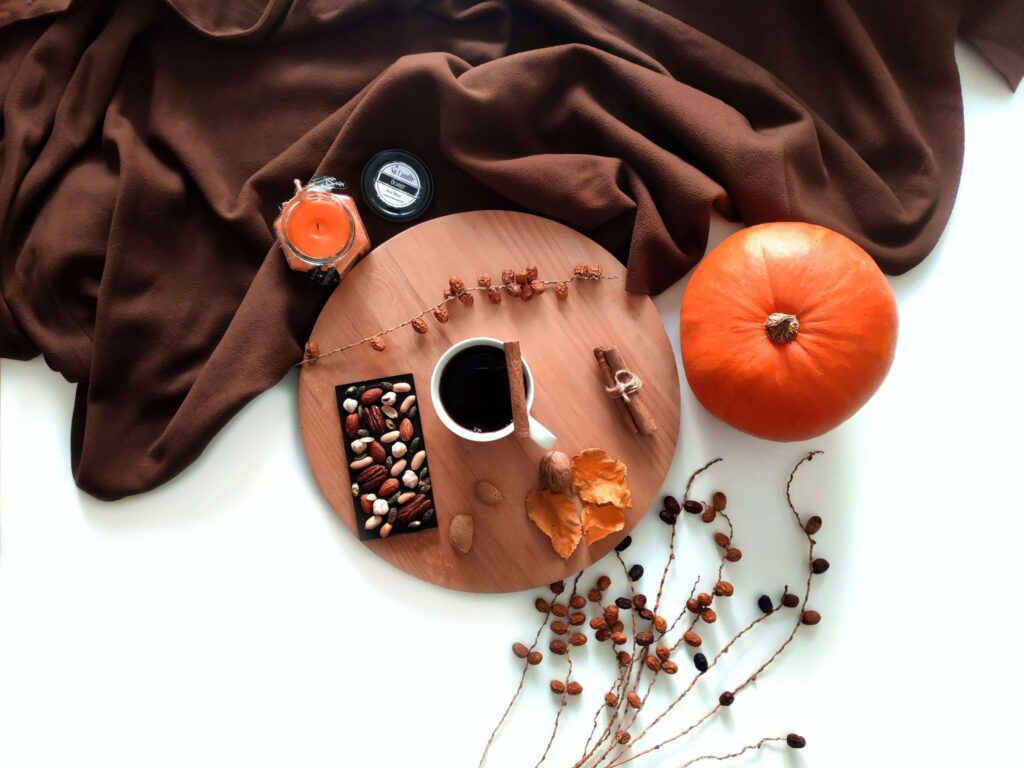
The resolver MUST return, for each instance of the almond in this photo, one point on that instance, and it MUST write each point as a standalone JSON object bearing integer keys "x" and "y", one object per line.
{"x": 377, "y": 451}
{"x": 351, "y": 424}
{"x": 488, "y": 493}
{"x": 460, "y": 533}
{"x": 371, "y": 396}
{"x": 405, "y": 430}
{"x": 389, "y": 487}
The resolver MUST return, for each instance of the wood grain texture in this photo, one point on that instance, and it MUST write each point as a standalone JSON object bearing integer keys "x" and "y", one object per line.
{"x": 409, "y": 273}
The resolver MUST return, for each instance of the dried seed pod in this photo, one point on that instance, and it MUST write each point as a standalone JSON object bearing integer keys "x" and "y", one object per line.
{"x": 578, "y": 638}
{"x": 538, "y": 287}
{"x": 514, "y": 289}
{"x": 441, "y": 314}
{"x": 527, "y": 292}
{"x": 420, "y": 325}
{"x": 623, "y": 658}
{"x": 494, "y": 294}
{"x": 378, "y": 343}
{"x": 796, "y": 741}
{"x": 692, "y": 639}
{"x": 810, "y": 618}
{"x": 622, "y": 737}
{"x": 623, "y": 545}
{"x": 640, "y": 601}
{"x": 561, "y": 290}
{"x": 581, "y": 270}
{"x": 623, "y": 603}
{"x": 603, "y": 582}
{"x": 521, "y": 277}
{"x": 813, "y": 525}
{"x": 535, "y": 658}
{"x": 557, "y": 686}
{"x": 718, "y": 501}
{"x": 723, "y": 589}
{"x": 596, "y": 270}
{"x": 456, "y": 284}
{"x": 633, "y": 698}
{"x": 704, "y": 599}
{"x": 820, "y": 565}
{"x": 692, "y": 605}
{"x": 575, "y": 619}
{"x": 466, "y": 298}
{"x": 732, "y": 554}
{"x": 652, "y": 663}
{"x": 618, "y": 626}
{"x": 574, "y": 688}
{"x": 532, "y": 272}
{"x": 693, "y": 507}
{"x": 577, "y": 602}
{"x": 611, "y": 699}
{"x": 709, "y": 616}
{"x": 644, "y": 638}
{"x": 541, "y": 605}
{"x": 790, "y": 600}
{"x": 508, "y": 276}
{"x": 484, "y": 280}
{"x": 602, "y": 634}
{"x": 700, "y": 661}
{"x": 636, "y": 572}
{"x": 558, "y": 647}
{"x": 598, "y": 622}
{"x": 557, "y": 587}
{"x": 663, "y": 652}
{"x": 559, "y": 627}
{"x": 726, "y": 699}
{"x": 611, "y": 614}
{"x": 722, "y": 540}
{"x": 660, "y": 624}
{"x": 559, "y": 610}
{"x": 520, "y": 650}
{"x": 667, "y": 517}
{"x": 618, "y": 638}
{"x": 311, "y": 352}
{"x": 594, "y": 596}
{"x": 709, "y": 515}
{"x": 765, "y": 604}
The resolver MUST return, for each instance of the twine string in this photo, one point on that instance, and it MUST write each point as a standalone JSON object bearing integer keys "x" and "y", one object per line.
{"x": 626, "y": 383}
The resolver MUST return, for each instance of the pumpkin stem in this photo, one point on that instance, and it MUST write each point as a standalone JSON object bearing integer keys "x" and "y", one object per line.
{"x": 781, "y": 327}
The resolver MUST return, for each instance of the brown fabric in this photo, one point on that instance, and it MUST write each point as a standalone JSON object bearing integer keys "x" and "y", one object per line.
{"x": 146, "y": 146}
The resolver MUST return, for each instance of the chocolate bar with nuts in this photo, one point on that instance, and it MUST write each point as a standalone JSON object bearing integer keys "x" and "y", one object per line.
{"x": 386, "y": 456}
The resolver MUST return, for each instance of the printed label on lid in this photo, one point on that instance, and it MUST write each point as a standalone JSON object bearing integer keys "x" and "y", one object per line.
{"x": 397, "y": 185}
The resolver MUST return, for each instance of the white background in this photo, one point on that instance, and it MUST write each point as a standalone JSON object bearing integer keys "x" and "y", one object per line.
{"x": 228, "y": 618}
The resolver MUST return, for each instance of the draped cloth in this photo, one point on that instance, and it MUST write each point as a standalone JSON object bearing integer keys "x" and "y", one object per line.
{"x": 145, "y": 148}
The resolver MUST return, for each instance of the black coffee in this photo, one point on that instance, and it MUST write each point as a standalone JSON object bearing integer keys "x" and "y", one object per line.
{"x": 474, "y": 389}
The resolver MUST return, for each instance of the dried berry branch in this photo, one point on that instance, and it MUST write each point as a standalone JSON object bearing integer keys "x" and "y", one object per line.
{"x": 566, "y": 690}
{"x": 737, "y": 753}
{"x": 523, "y": 284}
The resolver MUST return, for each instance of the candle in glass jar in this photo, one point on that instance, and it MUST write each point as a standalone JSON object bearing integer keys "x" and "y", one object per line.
{"x": 318, "y": 226}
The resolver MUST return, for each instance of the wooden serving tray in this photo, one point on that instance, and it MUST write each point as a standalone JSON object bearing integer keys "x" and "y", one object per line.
{"x": 407, "y": 274}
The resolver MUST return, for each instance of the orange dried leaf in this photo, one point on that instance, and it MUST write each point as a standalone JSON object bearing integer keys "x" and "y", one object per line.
{"x": 598, "y": 479}
{"x": 557, "y": 516}
{"x": 601, "y": 520}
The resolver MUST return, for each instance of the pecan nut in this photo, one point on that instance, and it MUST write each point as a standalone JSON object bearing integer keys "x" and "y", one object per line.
{"x": 374, "y": 418}
{"x": 414, "y": 509}
{"x": 372, "y": 477}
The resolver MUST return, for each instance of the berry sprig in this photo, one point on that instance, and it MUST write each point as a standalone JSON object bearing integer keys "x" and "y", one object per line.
{"x": 523, "y": 284}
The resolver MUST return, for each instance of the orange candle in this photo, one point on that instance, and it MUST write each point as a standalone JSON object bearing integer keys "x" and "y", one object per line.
{"x": 321, "y": 233}
{"x": 318, "y": 226}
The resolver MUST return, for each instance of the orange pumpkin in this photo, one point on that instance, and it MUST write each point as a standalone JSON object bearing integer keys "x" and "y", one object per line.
{"x": 786, "y": 330}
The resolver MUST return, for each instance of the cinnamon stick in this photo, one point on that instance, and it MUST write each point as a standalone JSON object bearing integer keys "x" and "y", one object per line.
{"x": 609, "y": 381}
{"x": 517, "y": 389}
{"x": 637, "y": 407}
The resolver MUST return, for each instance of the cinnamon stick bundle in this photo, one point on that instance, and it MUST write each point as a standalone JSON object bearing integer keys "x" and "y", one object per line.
{"x": 629, "y": 397}
{"x": 517, "y": 388}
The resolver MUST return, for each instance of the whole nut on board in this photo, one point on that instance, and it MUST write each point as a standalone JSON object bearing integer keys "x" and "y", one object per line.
{"x": 460, "y": 533}
{"x": 556, "y": 471}
{"x": 487, "y": 493}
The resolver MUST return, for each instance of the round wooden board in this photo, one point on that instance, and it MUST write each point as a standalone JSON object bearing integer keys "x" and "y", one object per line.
{"x": 407, "y": 274}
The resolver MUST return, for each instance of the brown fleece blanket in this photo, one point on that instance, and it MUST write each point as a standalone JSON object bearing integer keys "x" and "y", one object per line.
{"x": 145, "y": 148}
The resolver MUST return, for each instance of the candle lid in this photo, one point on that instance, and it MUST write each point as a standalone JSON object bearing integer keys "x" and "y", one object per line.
{"x": 397, "y": 185}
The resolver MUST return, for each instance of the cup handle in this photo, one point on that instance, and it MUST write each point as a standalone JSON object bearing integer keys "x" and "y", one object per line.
{"x": 541, "y": 435}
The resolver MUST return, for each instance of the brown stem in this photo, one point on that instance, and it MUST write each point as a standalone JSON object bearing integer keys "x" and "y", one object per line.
{"x": 781, "y": 327}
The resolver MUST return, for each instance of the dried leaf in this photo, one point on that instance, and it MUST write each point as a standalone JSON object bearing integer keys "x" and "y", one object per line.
{"x": 601, "y": 520}
{"x": 557, "y": 516}
{"x": 598, "y": 479}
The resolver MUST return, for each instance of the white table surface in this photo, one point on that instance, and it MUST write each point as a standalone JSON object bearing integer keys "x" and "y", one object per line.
{"x": 229, "y": 619}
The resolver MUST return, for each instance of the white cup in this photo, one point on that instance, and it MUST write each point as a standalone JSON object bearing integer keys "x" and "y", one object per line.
{"x": 538, "y": 432}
